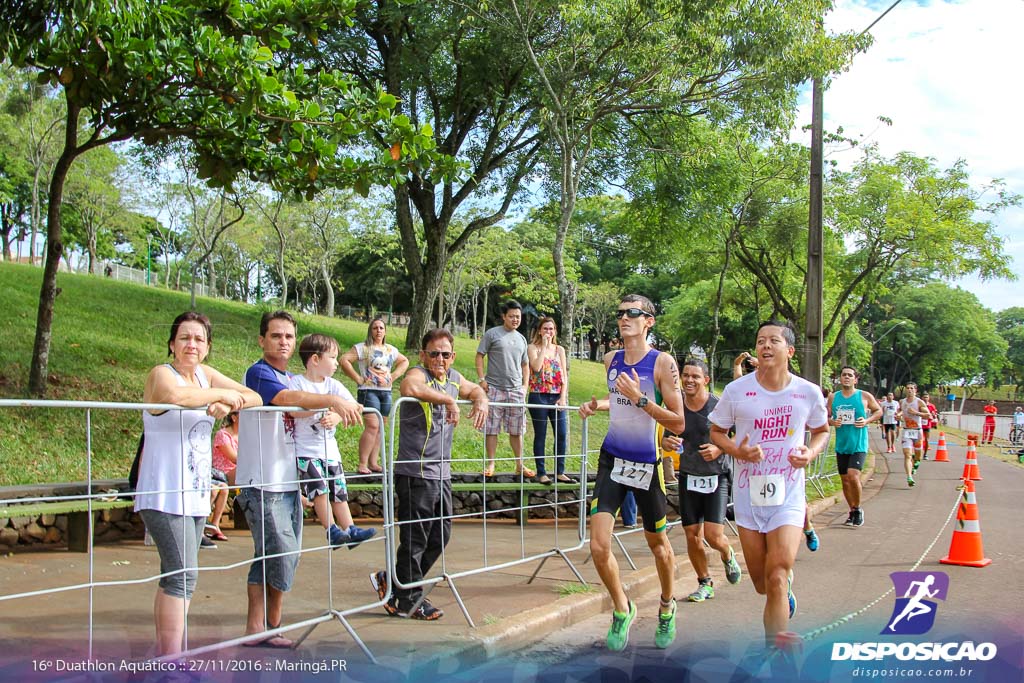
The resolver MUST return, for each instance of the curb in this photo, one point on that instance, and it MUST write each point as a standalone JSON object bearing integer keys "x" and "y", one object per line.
{"x": 530, "y": 626}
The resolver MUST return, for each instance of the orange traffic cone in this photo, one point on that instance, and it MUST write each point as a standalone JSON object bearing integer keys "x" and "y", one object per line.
{"x": 941, "y": 453}
{"x": 972, "y": 438}
{"x": 966, "y": 548}
{"x": 971, "y": 471}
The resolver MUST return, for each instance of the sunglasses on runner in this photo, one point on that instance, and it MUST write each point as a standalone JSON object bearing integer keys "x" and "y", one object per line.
{"x": 632, "y": 313}
{"x": 444, "y": 354}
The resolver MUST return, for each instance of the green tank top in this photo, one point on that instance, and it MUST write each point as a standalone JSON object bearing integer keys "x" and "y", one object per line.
{"x": 849, "y": 439}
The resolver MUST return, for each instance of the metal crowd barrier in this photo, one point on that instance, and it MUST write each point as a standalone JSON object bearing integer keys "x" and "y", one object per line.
{"x": 331, "y": 613}
{"x": 448, "y": 574}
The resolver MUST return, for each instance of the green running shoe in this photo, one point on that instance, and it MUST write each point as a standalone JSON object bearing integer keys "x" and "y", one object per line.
{"x": 705, "y": 591}
{"x": 733, "y": 573}
{"x": 666, "y": 632}
{"x": 618, "y": 634}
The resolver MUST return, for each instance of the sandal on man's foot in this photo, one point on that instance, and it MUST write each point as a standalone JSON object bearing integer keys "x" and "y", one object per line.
{"x": 275, "y": 642}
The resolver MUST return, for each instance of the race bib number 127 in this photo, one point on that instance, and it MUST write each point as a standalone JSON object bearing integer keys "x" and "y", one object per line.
{"x": 635, "y": 475}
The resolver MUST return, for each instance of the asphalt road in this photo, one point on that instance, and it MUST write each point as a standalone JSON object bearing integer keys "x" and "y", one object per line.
{"x": 847, "y": 577}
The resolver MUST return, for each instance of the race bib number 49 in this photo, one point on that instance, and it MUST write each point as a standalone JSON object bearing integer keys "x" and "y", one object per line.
{"x": 635, "y": 475}
{"x": 767, "y": 489}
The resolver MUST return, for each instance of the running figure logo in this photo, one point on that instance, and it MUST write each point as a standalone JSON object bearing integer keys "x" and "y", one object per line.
{"x": 914, "y": 613}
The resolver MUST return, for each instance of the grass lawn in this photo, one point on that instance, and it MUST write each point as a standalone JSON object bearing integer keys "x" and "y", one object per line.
{"x": 107, "y": 335}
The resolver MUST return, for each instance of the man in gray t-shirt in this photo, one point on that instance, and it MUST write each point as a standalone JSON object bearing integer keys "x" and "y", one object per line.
{"x": 506, "y": 381}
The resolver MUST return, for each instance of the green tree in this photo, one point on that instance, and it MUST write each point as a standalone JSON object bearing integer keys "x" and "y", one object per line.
{"x": 949, "y": 338}
{"x": 36, "y": 116}
{"x": 94, "y": 190}
{"x": 220, "y": 76}
{"x": 469, "y": 79}
{"x": 598, "y": 303}
{"x": 1010, "y": 325}
{"x": 609, "y": 67}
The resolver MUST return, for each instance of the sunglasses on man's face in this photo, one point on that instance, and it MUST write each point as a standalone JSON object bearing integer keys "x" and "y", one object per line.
{"x": 444, "y": 354}
{"x": 632, "y": 313}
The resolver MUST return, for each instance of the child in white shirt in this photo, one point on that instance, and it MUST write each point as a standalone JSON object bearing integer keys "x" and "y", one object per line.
{"x": 312, "y": 434}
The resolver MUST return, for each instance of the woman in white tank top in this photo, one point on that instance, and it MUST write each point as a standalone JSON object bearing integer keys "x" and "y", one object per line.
{"x": 174, "y": 473}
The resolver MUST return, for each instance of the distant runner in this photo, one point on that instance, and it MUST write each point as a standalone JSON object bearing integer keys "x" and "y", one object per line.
{"x": 890, "y": 407}
{"x": 851, "y": 410}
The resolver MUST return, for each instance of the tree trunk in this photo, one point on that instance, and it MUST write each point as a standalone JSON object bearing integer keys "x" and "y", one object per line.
{"x": 91, "y": 249}
{"x": 36, "y": 204}
{"x": 426, "y": 270}
{"x": 716, "y": 328}
{"x": 280, "y": 267}
{"x": 211, "y": 271}
{"x": 5, "y": 235}
{"x": 39, "y": 371}
{"x": 329, "y": 297}
{"x": 566, "y": 289}
{"x": 483, "y": 312}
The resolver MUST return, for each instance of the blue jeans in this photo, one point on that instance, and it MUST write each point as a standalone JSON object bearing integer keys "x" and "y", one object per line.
{"x": 559, "y": 420}
{"x": 628, "y": 509}
{"x": 275, "y": 522}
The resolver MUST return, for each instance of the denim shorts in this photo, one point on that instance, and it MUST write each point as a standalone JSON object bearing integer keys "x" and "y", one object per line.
{"x": 177, "y": 540}
{"x": 371, "y": 398}
{"x": 275, "y": 521}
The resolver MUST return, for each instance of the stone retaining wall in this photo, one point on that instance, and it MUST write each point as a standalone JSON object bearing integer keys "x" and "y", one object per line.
{"x": 123, "y": 523}
{"x": 110, "y": 526}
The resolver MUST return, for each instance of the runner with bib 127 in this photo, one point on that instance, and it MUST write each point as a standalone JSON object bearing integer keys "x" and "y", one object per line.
{"x": 640, "y": 379}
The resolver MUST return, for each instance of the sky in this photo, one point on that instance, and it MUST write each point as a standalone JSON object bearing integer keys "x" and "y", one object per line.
{"x": 949, "y": 75}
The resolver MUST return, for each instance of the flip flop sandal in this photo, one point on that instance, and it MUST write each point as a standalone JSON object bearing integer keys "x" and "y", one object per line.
{"x": 275, "y": 642}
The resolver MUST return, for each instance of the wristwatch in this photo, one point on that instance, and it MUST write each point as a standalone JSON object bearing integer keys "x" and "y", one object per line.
{"x": 642, "y": 402}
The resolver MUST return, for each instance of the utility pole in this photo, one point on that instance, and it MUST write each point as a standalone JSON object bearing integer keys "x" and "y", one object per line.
{"x": 810, "y": 365}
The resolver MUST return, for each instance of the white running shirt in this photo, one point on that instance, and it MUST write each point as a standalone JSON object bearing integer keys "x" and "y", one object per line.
{"x": 776, "y": 421}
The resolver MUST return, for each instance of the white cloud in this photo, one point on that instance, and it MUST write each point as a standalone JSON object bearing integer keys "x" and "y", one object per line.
{"x": 948, "y": 74}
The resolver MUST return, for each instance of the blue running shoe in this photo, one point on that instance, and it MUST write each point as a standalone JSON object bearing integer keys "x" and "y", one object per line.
{"x": 811, "y": 536}
{"x": 792, "y": 597}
